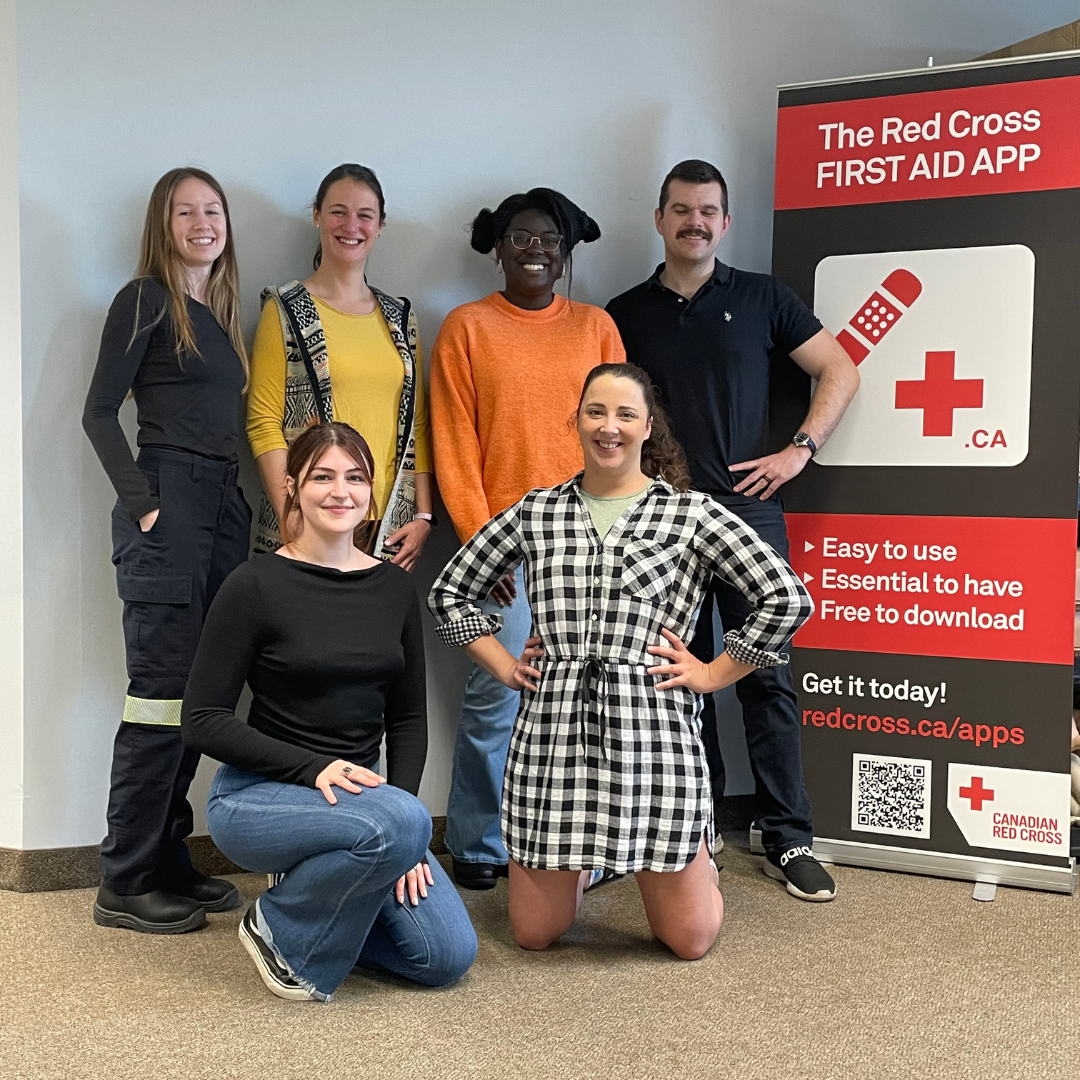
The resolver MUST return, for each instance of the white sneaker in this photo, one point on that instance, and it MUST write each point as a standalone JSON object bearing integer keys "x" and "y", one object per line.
{"x": 272, "y": 971}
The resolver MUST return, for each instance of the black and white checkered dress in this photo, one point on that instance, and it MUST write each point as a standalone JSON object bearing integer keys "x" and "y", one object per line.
{"x": 604, "y": 770}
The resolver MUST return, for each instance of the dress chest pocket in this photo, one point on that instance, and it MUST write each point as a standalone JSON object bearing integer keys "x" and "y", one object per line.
{"x": 649, "y": 570}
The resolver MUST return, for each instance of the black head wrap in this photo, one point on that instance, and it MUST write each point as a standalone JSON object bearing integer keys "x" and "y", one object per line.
{"x": 575, "y": 225}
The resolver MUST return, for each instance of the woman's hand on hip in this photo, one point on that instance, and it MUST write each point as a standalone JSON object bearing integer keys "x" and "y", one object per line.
{"x": 521, "y": 675}
{"x": 685, "y": 669}
{"x": 346, "y": 775}
{"x": 417, "y": 881}
{"x": 146, "y": 522}
{"x": 412, "y": 538}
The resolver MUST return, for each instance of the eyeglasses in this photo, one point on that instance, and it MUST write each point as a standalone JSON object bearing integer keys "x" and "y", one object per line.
{"x": 549, "y": 242}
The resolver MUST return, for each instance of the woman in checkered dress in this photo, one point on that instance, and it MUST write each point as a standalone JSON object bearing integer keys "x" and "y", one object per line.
{"x": 606, "y": 771}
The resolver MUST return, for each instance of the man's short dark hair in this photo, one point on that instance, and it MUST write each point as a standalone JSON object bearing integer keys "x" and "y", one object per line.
{"x": 694, "y": 171}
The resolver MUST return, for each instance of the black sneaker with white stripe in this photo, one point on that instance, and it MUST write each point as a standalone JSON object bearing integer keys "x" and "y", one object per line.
{"x": 804, "y": 876}
{"x": 273, "y": 972}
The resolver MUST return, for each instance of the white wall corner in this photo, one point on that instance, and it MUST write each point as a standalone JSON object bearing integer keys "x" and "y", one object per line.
{"x": 11, "y": 472}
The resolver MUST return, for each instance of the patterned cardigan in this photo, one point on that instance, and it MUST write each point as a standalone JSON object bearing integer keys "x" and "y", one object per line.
{"x": 308, "y": 399}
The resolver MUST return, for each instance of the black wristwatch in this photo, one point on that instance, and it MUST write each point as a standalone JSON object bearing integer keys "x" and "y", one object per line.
{"x": 800, "y": 438}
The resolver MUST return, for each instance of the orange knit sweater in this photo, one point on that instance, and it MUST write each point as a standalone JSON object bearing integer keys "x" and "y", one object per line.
{"x": 504, "y": 383}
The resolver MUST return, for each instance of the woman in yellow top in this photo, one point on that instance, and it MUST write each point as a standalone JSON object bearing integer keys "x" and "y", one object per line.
{"x": 334, "y": 321}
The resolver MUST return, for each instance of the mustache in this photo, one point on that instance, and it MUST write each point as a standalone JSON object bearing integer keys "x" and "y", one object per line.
{"x": 703, "y": 233}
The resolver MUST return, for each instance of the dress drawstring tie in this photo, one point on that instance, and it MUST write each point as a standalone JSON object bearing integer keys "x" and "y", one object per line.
{"x": 592, "y": 695}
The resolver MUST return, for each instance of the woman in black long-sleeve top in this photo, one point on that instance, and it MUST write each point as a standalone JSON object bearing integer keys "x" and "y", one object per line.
{"x": 330, "y": 642}
{"x": 180, "y": 525}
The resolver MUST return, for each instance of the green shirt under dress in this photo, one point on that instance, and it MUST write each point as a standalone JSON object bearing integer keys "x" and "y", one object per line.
{"x": 606, "y": 510}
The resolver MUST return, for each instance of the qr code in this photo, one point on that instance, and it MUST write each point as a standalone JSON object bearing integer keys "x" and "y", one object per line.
{"x": 890, "y": 795}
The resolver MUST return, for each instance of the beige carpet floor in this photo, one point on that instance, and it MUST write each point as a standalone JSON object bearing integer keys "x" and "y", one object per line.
{"x": 899, "y": 977}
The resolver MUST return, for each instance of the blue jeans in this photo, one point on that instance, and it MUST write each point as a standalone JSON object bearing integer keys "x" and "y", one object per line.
{"x": 770, "y": 707}
{"x": 335, "y": 906}
{"x": 487, "y": 719}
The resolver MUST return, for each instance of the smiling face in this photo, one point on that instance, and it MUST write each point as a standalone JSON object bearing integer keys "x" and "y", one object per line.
{"x": 334, "y": 494}
{"x": 692, "y": 222}
{"x": 531, "y": 272}
{"x": 197, "y": 222}
{"x": 613, "y": 423}
{"x": 348, "y": 221}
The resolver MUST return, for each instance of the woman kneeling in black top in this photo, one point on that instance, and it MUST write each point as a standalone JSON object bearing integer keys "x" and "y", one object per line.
{"x": 330, "y": 642}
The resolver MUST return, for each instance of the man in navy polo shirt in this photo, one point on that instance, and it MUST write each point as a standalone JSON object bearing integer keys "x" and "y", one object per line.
{"x": 705, "y": 332}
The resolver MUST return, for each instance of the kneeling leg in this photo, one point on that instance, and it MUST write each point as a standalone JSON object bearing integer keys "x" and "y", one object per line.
{"x": 684, "y": 909}
{"x": 543, "y": 903}
{"x": 432, "y": 943}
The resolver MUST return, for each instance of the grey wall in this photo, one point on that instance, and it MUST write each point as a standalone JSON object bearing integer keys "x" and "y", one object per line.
{"x": 11, "y": 560}
{"x": 455, "y": 106}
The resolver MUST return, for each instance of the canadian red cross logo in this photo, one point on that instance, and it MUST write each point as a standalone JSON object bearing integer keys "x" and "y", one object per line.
{"x": 977, "y": 793}
{"x": 939, "y": 393}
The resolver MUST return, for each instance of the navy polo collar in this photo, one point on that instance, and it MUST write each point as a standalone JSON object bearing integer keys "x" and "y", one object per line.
{"x": 721, "y": 275}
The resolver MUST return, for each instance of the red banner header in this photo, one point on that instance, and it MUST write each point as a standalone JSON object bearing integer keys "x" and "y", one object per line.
{"x": 978, "y": 140}
{"x": 985, "y": 588}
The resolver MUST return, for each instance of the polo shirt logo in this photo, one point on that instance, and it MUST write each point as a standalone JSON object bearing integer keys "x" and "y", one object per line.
{"x": 727, "y": 316}
{"x": 942, "y": 339}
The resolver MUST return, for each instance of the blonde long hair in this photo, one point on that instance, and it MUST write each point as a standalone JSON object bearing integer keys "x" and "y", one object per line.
{"x": 160, "y": 259}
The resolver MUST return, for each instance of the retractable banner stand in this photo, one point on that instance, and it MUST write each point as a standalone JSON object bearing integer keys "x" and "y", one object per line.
{"x": 932, "y": 220}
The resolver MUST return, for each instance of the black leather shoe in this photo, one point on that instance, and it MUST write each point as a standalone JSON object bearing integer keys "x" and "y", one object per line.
{"x": 211, "y": 894}
{"x": 155, "y": 912}
{"x": 482, "y": 875}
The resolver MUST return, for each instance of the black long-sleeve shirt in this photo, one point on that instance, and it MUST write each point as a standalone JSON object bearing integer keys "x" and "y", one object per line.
{"x": 334, "y": 659}
{"x": 184, "y": 402}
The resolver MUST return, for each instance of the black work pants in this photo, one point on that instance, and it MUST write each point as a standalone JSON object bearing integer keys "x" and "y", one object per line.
{"x": 769, "y": 706}
{"x": 167, "y": 578}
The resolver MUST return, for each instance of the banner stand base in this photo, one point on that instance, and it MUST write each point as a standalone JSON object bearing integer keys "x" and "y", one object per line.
{"x": 1021, "y": 875}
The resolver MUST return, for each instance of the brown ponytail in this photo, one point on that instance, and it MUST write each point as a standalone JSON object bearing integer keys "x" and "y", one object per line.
{"x": 661, "y": 454}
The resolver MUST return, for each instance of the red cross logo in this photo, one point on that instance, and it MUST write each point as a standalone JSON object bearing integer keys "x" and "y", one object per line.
{"x": 939, "y": 393}
{"x": 977, "y": 793}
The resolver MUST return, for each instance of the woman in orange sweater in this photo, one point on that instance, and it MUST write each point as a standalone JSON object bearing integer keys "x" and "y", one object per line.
{"x": 524, "y": 342}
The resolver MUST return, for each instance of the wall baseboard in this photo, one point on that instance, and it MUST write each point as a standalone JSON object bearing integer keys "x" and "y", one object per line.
{"x": 76, "y": 868}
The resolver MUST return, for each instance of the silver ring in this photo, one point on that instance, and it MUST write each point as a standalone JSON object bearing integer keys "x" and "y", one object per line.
{"x": 347, "y": 771}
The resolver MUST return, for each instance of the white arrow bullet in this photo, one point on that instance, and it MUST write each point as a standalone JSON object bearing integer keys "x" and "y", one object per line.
{"x": 808, "y": 577}
{"x": 807, "y": 546}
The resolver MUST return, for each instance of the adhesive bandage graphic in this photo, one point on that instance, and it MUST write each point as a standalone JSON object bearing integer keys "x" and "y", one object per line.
{"x": 943, "y": 343}
{"x": 879, "y": 314}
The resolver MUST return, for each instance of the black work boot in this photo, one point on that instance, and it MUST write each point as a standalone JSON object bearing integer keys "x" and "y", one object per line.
{"x": 210, "y": 893}
{"x": 155, "y": 912}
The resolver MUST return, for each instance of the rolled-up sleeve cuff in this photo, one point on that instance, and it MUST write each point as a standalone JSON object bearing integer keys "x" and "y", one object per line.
{"x": 739, "y": 650}
{"x": 467, "y": 626}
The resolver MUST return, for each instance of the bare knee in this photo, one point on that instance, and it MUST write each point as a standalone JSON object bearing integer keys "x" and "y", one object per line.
{"x": 533, "y": 941}
{"x": 535, "y": 936}
{"x": 690, "y": 940}
{"x": 543, "y": 905}
{"x": 537, "y": 929}
{"x": 690, "y": 944}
